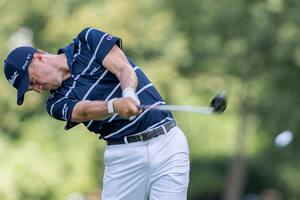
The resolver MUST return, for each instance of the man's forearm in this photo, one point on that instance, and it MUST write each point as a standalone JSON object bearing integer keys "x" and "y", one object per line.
{"x": 89, "y": 110}
{"x": 98, "y": 110}
{"x": 117, "y": 63}
{"x": 127, "y": 78}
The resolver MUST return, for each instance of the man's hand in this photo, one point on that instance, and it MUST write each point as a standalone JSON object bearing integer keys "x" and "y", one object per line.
{"x": 126, "y": 107}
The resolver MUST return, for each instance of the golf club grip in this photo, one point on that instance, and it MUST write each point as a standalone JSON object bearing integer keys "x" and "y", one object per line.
{"x": 142, "y": 107}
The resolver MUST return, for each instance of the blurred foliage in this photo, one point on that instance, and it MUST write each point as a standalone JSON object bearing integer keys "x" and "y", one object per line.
{"x": 190, "y": 50}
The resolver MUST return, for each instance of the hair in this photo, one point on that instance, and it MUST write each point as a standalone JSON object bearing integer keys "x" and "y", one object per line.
{"x": 41, "y": 51}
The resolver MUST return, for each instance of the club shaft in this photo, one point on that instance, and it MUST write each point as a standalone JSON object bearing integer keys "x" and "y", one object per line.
{"x": 181, "y": 108}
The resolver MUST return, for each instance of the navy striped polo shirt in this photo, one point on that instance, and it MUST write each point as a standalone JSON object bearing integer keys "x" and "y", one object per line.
{"x": 91, "y": 81}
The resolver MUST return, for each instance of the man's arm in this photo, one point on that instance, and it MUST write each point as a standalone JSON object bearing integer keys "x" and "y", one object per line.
{"x": 97, "y": 110}
{"x": 116, "y": 62}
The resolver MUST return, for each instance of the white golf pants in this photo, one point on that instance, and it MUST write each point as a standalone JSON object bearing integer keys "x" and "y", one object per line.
{"x": 157, "y": 169}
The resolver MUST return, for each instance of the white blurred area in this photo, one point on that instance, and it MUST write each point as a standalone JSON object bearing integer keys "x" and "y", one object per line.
{"x": 283, "y": 139}
{"x": 22, "y": 37}
{"x": 76, "y": 196}
{"x": 94, "y": 195}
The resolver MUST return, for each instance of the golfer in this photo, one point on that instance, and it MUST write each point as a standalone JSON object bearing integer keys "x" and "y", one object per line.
{"x": 92, "y": 82}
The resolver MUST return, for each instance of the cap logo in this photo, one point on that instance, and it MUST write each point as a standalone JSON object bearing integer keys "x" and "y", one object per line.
{"x": 13, "y": 78}
{"x": 26, "y": 62}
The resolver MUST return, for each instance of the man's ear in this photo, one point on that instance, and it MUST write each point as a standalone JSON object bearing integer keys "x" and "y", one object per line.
{"x": 38, "y": 56}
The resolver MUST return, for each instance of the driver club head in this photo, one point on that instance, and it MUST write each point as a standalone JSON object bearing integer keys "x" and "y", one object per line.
{"x": 219, "y": 103}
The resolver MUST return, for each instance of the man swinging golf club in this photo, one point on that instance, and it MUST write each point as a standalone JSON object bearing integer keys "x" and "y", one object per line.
{"x": 92, "y": 82}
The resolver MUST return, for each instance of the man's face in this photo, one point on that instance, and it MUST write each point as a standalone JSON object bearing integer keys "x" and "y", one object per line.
{"x": 43, "y": 76}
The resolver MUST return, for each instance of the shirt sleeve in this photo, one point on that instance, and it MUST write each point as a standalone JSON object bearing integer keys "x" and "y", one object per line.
{"x": 60, "y": 107}
{"x": 98, "y": 42}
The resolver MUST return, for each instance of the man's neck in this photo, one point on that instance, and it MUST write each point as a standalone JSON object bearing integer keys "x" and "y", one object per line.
{"x": 62, "y": 65}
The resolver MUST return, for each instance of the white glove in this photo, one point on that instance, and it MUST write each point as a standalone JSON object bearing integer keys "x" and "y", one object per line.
{"x": 130, "y": 92}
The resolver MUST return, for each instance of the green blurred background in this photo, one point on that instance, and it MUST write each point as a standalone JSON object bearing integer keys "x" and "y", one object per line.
{"x": 191, "y": 50}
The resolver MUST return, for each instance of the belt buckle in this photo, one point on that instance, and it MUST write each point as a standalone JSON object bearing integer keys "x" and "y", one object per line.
{"x": 145, "y": 136}
{"x": 141, "y": 137}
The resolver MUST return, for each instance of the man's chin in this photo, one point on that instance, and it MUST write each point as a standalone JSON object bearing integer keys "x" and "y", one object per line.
{"x": 55, "y": 87}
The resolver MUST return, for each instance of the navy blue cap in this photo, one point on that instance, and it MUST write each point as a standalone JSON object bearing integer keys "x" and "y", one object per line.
{"x": 16, "y": 69}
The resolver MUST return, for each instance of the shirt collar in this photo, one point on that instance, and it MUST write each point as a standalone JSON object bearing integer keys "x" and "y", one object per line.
{"x": 69, "y": 52}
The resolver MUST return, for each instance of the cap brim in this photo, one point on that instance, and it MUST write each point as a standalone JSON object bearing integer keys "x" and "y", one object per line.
{"x": 23, "y": 88}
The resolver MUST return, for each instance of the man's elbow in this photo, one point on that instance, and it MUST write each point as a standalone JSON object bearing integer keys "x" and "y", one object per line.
{"x": 80, "y": 113}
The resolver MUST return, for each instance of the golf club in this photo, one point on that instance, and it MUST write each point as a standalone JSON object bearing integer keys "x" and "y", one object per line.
{"x": 217, "y": 105}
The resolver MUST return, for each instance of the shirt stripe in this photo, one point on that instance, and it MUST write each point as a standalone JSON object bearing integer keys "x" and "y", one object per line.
{"x": 86, "y": 36}
{"x": 135, "y": 120}
{"x": 91, "y": 88}
{"x": 144, "y": 88}
{"x": 52, "y": 106}
{"x": 162, "y": 121}
{"x": 64, "y": 112}
{"x": 117, "y": 86}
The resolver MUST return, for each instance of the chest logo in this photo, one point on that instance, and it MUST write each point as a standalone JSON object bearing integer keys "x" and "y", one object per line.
{"x": 94, "y": 70}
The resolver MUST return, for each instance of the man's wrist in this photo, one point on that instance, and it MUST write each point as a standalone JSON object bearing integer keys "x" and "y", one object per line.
{"x": 110, "y": 106}
{"x": 130, "y": 92}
